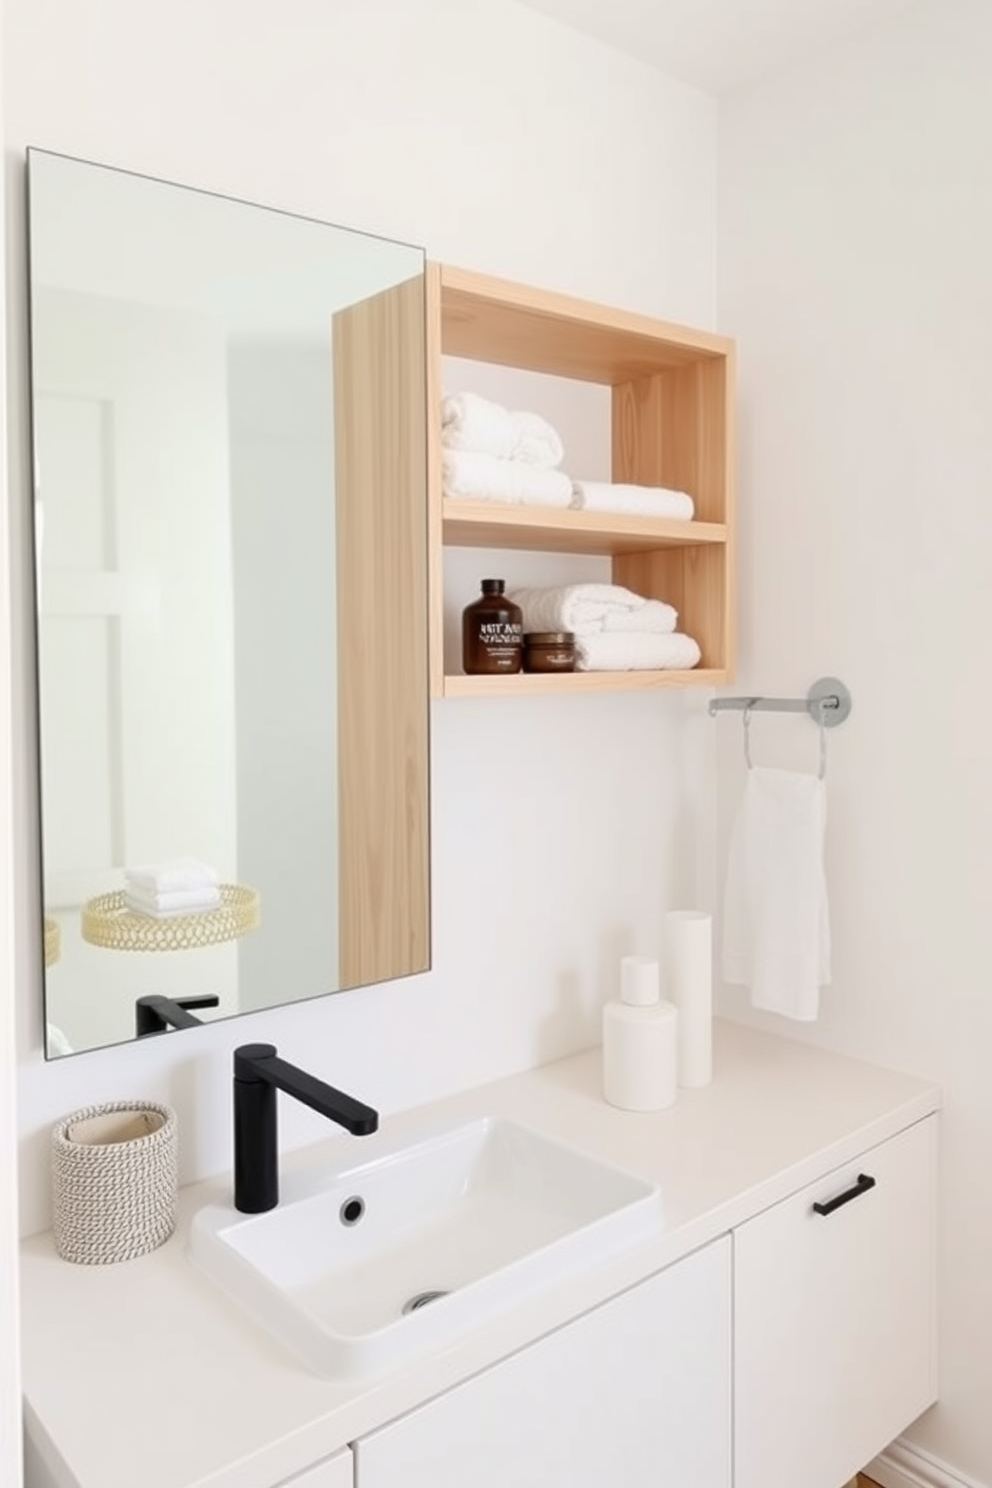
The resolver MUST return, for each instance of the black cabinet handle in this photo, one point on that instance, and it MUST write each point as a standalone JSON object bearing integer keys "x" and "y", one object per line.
{"x": 863, "y": 1184}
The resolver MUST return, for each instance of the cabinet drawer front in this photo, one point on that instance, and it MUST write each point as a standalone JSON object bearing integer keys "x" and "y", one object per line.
{"x": 334, "y": 1472}
{"x": 633, "y": 1395}
{"x": 834, "y": 1318}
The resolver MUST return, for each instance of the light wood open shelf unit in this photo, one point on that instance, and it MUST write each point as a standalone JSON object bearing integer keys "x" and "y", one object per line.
{"x": 527, "y": 683}
{"x": 671, "y": 425}
{"x": 484, "y": 524}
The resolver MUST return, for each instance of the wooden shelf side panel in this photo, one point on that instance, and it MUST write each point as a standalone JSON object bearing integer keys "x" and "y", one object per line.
{"x": 435, "y": 493}
{"x": 695, "y": 581}
{"x": 674, "y": 429}
{"x": 380, "y": 453}
{"x": 671, "y": 429}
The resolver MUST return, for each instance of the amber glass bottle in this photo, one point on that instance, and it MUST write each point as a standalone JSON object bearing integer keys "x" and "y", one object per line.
{"x": 492, "y": 632}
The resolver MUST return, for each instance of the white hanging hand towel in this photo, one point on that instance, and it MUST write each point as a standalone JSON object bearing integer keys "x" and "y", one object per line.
{"x": 776, "y": 931}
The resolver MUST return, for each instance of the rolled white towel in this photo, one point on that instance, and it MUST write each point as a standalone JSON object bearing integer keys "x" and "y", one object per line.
{"x": 580, "y": 608}
{"x": 654, "y": 617}
{"x": 164, "y": 878}
{"x": 635, "y": 651}
{"x": 537, "y": 442}
{"x": 643, "y": 501}
{"x": 471, "y": 422}
{"x": 469, "y": 476}
{"x": 173, "y": 902}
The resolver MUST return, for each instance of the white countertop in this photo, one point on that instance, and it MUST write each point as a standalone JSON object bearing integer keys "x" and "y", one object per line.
{"x": 143, "y": 1372}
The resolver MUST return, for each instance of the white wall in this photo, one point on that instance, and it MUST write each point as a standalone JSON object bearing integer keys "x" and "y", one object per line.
{"x": 855, "y": 253}
{"x": 562, "y": 828}
{"x": 10, "y": 1382}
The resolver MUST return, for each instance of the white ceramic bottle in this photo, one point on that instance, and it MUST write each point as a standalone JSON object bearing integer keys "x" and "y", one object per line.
{"x": 640, "y": 1041}
{"x": 689, "y": 984}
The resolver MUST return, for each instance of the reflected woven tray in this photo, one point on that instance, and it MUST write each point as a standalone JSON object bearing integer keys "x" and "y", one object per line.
{"x": 106, "y": 922}
{"x": 53, "y": 941}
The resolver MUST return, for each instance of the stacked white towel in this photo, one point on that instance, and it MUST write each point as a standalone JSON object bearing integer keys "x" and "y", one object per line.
{"x": 177, "y": 887}
{"x": 644, "y": 501}
{"x": 469, "y": 475}
{"x": 491, "y": 453}
{"x": 614, "y": 628}
{"x": 636, "y": 651}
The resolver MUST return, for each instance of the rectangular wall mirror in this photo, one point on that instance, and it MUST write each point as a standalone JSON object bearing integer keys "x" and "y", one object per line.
{"x": 228, "y": 409}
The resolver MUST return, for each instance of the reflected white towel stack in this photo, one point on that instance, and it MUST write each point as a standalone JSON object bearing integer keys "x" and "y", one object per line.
{"x": 163, "y": 890}
{"x": 490, "y": 453}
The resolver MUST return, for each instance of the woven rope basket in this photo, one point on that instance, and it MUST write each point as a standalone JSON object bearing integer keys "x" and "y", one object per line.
{"x": 114, "y": 1181}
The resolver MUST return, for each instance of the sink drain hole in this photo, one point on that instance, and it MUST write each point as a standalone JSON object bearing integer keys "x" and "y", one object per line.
{"x": 351, "y": 1210}
{"x": 422, "y": 1299}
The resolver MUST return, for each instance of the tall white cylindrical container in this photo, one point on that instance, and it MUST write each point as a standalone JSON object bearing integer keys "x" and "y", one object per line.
{"x": 640, "y": 1041}
{"x": 689, "y": 985}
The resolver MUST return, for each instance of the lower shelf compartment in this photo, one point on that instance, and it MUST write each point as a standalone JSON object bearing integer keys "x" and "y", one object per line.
{"x": 526, "y": 683}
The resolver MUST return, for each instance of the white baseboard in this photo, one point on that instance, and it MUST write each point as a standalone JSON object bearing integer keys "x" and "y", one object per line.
{"x": 905, "y": 1466}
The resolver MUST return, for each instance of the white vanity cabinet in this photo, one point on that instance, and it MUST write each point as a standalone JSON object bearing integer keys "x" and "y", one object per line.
{"x": 834, "y": 1348}
{"x": 336, "y": 1472}
{"x": 635, "y": 1394}
{"x": 753, "y": 1343}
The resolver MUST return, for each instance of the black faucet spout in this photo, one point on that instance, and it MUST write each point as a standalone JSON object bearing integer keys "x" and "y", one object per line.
{"x": 258, "y": 1074}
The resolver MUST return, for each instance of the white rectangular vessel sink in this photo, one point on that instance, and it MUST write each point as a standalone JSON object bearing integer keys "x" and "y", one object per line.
{"x": 368, "y": 1265}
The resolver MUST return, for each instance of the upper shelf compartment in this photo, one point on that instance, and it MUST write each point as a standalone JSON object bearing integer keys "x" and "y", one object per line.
{"x": 671, "y": 392}
{"x": 494, "y": 320}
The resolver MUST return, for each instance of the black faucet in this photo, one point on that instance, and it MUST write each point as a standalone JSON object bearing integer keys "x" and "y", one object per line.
{"x": 258, "y": 1074}
{"x": 157, "y": 1014}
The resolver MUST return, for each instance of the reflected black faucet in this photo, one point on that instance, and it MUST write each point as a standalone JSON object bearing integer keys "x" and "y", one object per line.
{"x": 156, "y": 1014}
{"x": 258, "y": 1074}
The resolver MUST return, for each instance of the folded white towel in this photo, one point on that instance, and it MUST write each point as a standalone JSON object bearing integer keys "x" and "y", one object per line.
{"x": 654, "y": 617}
{"x": 635, "y": 651}
{"x": 469, "y": 476}
{"x": 776, "y": 927}
{"x": 173, "y": 902}
{"x": 580, "y": 608}
{"x": 644, "y": 501}
{"x": 163, "y": 878}
{"x": 471, "y": 422}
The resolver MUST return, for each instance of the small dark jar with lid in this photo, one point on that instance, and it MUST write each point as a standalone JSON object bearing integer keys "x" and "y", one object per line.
{"x": 549, "y": 651}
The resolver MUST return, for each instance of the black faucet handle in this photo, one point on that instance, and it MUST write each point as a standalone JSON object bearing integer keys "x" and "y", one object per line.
{"x": 207, "y": 999}
{"x": 247, "y": 1058}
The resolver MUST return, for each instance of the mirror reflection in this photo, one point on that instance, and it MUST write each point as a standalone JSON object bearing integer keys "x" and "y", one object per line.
{"x": 230, "y": 536}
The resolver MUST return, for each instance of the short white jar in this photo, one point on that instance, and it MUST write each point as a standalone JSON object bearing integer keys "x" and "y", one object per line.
{"x": 640, "y": 1041}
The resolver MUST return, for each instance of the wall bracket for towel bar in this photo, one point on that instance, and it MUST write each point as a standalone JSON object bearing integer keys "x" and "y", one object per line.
{"x": 828, "y": 701}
